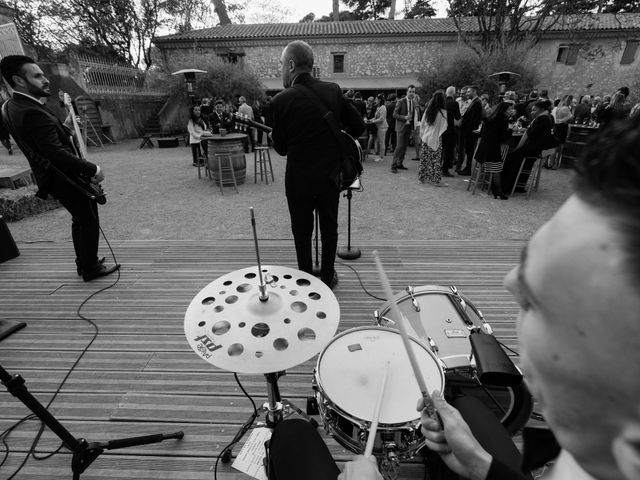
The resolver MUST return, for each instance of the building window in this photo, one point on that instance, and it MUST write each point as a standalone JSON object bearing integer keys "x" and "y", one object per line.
{"x": 567, "y": 54}
{"x": 230, "y": 57}
{"x": 629, "y": 54}
{"x": 338, "y": 63}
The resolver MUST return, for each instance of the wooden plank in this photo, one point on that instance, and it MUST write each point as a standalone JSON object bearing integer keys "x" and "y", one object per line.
{"x": 141, "y": 377}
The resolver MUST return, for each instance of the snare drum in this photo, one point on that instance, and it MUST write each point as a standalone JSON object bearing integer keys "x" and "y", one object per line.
{"x": 442, "y": 319}
{"x": 347, "y": 382}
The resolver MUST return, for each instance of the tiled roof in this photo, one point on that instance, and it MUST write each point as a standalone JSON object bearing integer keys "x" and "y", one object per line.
{"x": 386, "y": 27}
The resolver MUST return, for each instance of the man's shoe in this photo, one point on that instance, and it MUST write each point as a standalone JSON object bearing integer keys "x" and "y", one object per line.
{"x": 402, "y": 167}
{"x": 464, "y": 173}
{"x": 394, "y": 170}
{"x": 79, "y": 268}
{"x": 333, "y": 282}
{"x": 100, "y": 271}
{"x": 446, "y": 173}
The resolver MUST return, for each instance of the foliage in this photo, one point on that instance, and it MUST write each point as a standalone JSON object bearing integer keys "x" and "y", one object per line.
{"x": 466, "y": 68}
{"x": 343, "y": 16}
{"x": 122, "y": 27}
{"x": 504, "y": 24}
{"x": 421, "y": 9}
{"x": 621, "y": 6}
{"x": 222, "y": 80}
{"x": 367, "y": 9}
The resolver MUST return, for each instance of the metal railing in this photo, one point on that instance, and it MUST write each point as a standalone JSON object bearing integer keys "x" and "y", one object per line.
{"x": 100, "y": 75}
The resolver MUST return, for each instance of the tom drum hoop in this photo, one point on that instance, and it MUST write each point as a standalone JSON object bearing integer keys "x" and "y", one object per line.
{"x": 447, "y": 318}
{"x": 347, "y": 381}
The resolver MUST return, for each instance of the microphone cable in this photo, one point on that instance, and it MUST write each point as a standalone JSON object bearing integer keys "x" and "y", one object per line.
{"x": 96, "y": 331}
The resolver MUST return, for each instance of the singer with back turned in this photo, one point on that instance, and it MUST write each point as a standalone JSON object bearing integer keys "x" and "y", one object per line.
{"x": 49, "y": 148}
{"x": 313, "y": 154}
{"x": 578, "y": 287}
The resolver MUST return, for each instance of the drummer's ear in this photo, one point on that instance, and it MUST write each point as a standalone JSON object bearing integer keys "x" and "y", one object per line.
{"x": 626, "y": 450}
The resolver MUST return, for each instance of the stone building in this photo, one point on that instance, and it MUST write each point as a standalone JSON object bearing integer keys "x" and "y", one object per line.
{"x": 594, "y": 53}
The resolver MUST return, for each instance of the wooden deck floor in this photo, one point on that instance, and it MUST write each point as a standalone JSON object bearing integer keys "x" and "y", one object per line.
{"x": 140, "y": 376}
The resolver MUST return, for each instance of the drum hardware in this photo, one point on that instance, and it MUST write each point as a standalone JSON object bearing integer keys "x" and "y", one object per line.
{"x": 459, "y": 297}
{"x": 262, "y": 320}
{"x": 346, "y": 383}
{"x": 450, "y": 327}
{"x": 493, "y": 365}
{"x": 413, "y": 299}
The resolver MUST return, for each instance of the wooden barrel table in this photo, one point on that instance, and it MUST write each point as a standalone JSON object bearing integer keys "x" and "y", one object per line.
{"x": 231, "y": 144}
{"x": 576, "y": 140}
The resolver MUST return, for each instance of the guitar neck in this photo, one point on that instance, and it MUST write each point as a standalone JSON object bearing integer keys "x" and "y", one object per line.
{"x": 79, "y": 144}
{"x": 247, "y": 121}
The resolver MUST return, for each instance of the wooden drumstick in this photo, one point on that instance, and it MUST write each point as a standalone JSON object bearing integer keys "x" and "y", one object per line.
{"x": 401, "y": 320}
{"x": 376, "y": 414}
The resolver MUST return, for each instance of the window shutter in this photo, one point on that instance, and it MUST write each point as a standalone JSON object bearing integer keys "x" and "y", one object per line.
{"x": 629, "y": 54}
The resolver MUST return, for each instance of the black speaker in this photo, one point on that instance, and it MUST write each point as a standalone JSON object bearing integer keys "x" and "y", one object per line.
{"x": 492, "y": 363}
{"x": 8, "y": 248}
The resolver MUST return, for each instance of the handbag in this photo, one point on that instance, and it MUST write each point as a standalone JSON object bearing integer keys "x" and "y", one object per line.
{"x": 350, "y": 151}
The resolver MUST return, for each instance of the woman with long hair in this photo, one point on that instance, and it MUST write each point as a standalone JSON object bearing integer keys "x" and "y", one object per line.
{"x": 614, "y": 111}
{"x": 495, "y": 132}
{"x": 432, "y": 126}
{"x": 197, "y": 130}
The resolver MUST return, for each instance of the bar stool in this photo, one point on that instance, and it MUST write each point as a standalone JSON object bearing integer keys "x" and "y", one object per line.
{"x": 228, "y": 168}
{"x": 262, "y": 155}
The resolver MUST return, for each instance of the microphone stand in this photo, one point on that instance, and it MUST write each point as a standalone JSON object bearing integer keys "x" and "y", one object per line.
{"x": 349, "y": 253}
{"x": 84, "y": 453}
{"x": 316, "y": 266}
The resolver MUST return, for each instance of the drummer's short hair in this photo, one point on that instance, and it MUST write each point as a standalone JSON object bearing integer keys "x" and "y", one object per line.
{"x": 608, "y": 179}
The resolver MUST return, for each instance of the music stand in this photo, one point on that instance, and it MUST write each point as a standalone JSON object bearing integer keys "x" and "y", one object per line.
{"x": 349, "y": 253}
{"x": 84, "y": 453}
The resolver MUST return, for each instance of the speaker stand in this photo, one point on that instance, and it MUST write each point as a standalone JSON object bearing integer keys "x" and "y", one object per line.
{"x": 349, "y": 253}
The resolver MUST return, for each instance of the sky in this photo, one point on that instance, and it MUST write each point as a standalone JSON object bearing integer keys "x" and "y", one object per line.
{"x": 299, "y": 8}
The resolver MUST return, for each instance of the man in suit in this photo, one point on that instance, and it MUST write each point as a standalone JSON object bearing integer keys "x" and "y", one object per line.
{"x": 578, "y": 288}
{"x": 471, "y": 119}
{"x": 219, "y": 118}
{"x": 449, "y": 138}
{"x": 313, "y": 155}
{"x": 47, "y": 145}
{"x": 407, "y": 119}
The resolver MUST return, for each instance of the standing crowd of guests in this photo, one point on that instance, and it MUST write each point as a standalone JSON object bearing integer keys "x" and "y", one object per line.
{"x": 456, "y": 127}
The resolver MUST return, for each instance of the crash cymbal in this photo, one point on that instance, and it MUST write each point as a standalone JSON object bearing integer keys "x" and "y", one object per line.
{"x": 229, "y": 326}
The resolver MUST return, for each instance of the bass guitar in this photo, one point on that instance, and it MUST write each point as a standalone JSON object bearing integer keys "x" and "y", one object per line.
{"x": 352, "y": 156}
{"x": 88, "y": 186}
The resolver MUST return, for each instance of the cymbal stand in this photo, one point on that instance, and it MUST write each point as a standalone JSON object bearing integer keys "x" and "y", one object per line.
{"x": 262, "y": 287}
{"x": 84, "y": 453}
{"x": 316, "y": 266}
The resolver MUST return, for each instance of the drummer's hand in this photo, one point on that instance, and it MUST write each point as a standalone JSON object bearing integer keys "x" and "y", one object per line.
{"x": 454, "y": 441}
{"x": 361, "y": 468}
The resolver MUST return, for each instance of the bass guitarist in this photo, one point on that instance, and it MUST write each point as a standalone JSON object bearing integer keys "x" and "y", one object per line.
{"x": 313, "y": 155}
{"x": 47, "y": 145}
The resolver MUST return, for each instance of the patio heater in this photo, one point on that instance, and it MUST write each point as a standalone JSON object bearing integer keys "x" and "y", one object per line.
{"x": 503, "y": 79}
{"x": 189, "y": 80}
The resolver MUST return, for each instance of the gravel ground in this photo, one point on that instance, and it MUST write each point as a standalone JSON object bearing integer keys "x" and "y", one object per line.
{"x": 156, "y": 194}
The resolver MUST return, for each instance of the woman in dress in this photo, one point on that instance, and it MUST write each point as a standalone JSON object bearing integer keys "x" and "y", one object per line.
{"x": 495, "y": 132}
{"x": 197, "y": 130}
{"x": 432, "y": 126}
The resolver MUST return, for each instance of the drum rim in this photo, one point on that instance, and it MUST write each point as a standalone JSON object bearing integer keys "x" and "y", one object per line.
{"x": 351, "y": 416}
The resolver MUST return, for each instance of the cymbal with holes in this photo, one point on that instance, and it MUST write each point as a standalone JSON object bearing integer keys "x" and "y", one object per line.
{"x": 229, "y": 326}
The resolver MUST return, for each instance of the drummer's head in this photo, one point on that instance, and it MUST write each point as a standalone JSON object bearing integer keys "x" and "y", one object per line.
{"x": 578, "y": 286}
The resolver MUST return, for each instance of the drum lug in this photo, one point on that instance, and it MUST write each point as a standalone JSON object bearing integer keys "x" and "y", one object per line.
{"x": 454, "y": 290}
{"x": 487, "y": 328}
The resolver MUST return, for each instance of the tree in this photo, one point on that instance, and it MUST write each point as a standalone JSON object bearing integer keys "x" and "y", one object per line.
{"x": 308, "y": 18}
{"x": 221, "y": 9}
{"x": 336, "y": 9}
{"x": 421, "y": 9}
{"x": 621, "y": 6}
{"x": 368, "y": 9}
{"x": 494, "y": 26}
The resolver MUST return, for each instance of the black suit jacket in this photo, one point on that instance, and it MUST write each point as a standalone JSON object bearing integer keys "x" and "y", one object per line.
{"x": 453, "y": 113}
{"x": 472, "y": 116}
{"x": 301, "y": 133}
{"x": 45, "y": 141}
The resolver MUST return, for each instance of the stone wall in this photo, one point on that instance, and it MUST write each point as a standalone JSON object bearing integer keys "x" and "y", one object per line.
{"x": 127, "y": 114}
{"x": 598, "y": 63}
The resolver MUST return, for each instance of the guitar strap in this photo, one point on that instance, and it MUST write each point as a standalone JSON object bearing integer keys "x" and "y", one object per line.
{"x": 328, "y": 114}
{"x": 44, "y": 162}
